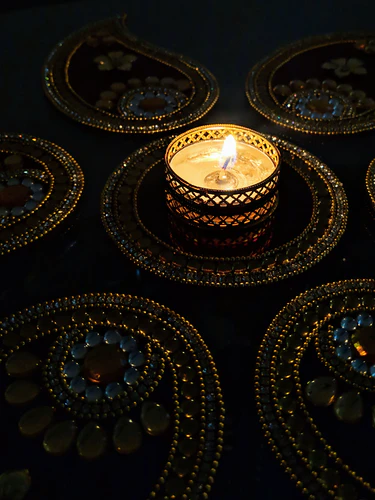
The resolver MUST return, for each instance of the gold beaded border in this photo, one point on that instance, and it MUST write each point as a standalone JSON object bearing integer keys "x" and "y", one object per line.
{"x": 270, "y": 354}
{"x": 287, "y": 260}
{"x": 11, "y": 342}
{"x": 261, "y": 97}
{"x": 66, "y": 100}
{"x": 64, "y": 208}
{"x": 370, "y": 182}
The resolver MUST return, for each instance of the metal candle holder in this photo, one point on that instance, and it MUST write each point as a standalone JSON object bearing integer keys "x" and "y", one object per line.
{"x": 217, "y": 208}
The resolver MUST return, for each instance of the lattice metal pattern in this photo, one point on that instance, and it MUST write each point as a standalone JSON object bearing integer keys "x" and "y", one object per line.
{"x": 220, "y": 132}
{"x": 221, "y": 220}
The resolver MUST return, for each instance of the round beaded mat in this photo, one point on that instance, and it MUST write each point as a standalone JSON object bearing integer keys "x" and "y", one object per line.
{"x": 315, "y": 389}
{"x": 116, "y": 380}
{"x": 40, "y": 185}
{"x": 106, "y": 77}
{"x": 320, "y": 85}
{"x": 370, "y": 182}
{"x": 135, "y": 215}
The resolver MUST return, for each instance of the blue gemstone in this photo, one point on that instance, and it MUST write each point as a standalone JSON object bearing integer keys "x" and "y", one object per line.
{"x": 349, "y": 323}
{"x": 365, "y": 319}
{"x": 344, "y": 352}
{"x": 359, "y": 366}
{"x": 341, "y": 336}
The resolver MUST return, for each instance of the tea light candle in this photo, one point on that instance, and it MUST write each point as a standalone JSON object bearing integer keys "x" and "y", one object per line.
{"x": 222, "y": 176}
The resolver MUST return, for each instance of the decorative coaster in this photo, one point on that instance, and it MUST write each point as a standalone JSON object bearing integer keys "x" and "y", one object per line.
{"x": 106, "y": 77}
{"x": 314, "y": 376}
{"x": 102, "y": 376}
{"x": 320, "y": 85}
{"x": 40, "y": 185}
{"x": 309, "y": 220}
{"x": 370, "y": 183}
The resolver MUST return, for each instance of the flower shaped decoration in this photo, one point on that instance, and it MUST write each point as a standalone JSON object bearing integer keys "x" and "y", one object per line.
{"x": 151, "y": 102}
{"x": 98, "y": 372}
{"x": 344, "y": 67}
{"x": 100, "y": 361}
{"x": 115, "y": 60}
{"x": 325, "y": 100}
{"x": 367, "y": 46}
{"x": 108, "y": 99}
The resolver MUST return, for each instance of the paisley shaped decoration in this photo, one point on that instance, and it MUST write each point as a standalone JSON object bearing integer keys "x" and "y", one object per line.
{"x": 315, "y": 389}
{"x": 320, "y": 85}
{"x": 40, "y": 185}
{"x": 113, "y": 376}
{"x": 135, "y": 215}
{"x": 106, "y": 77}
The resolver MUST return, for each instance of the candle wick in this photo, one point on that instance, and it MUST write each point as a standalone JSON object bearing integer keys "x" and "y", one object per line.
{"x": 226, "y": 162}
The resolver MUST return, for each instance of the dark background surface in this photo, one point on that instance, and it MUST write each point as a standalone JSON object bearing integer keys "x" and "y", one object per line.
{"x": 228, "y": 39}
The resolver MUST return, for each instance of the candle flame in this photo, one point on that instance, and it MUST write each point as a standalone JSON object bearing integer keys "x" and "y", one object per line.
{"x": 228, "y": 153}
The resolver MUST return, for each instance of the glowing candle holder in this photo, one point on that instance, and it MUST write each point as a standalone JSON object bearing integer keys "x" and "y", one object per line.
{"x": 216, "y": 182}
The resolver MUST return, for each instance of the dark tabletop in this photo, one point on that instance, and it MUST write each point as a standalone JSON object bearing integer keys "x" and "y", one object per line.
{"x": 228, "y": 40}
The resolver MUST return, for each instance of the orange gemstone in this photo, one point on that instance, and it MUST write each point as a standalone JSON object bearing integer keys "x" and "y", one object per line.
{"x": 14, "y": 196}
{"x": 104, "y": 364}
{"x": 364, "y": 341}
{"x": 153, "y": 104}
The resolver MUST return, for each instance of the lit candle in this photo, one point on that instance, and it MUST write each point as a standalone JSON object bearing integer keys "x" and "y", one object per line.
{"x": 222, "y": 164}
{"x": 222, "y": 176}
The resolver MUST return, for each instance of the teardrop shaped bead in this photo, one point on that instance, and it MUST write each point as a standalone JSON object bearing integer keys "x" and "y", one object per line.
{"x": 21, "y": 364}
{"x": 349, "y": 407}
{"x": 91, "y": 441}
{"x": 21, "y": 392}
{"x": 321, "y": 391}
{"x": 154, "y": 417}
{"x": 35, "y": 421}
{"x": 14, "y": 485}
{"x": 127, "y": 436}
{"x": 59, "y": 437}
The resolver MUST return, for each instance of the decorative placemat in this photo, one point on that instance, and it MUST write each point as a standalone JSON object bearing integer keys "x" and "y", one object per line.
{"x": 315, "y": 385}
{"x": 102, "y": 376}
{"x": 319, "y": 85}
{"x": 40, "y": 185}
{"x": 106, "y": 77}
{"x": 310, "y": 219}
{"x": 370, "y": 183}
